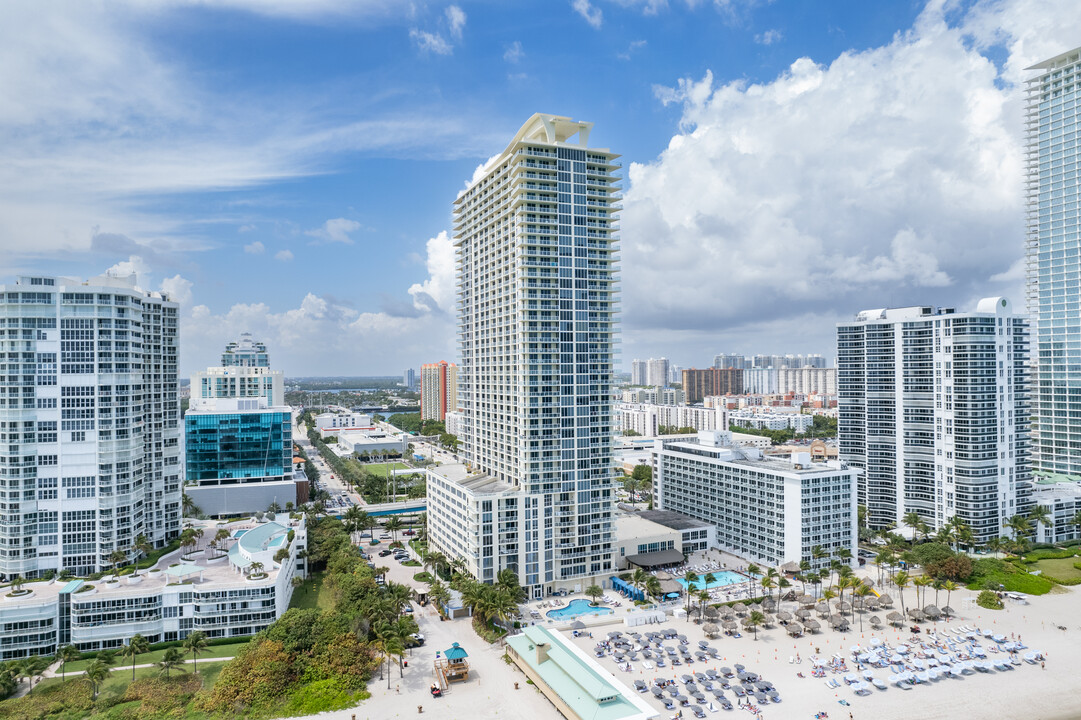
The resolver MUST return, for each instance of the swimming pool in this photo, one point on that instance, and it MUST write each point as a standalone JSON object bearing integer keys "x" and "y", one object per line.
{"x": 239, "y": 533}
{"x": 721, "y": 578}
{"x": 576, "y": 608}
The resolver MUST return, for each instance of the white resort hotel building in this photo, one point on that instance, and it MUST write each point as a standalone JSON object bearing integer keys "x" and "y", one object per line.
{"x": 223, "y": 593}
{"x": 766, "y": 510}
{"x": 537, "y": 297}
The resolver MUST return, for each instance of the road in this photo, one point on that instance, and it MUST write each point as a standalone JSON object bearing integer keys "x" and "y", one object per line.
{"x": 341, "y": 495}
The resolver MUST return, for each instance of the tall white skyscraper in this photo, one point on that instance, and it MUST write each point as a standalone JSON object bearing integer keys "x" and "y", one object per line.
{"x": 657, "y": 371}
{"x": 933, "y": 405}
{"x": 1053, "y": 260}
{"x": 638, "y": 372}
{"x": 535, "y": 236}
{"x": 90, "y": 413}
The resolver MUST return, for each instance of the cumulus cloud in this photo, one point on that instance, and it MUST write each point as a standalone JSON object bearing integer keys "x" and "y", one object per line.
{"x": 284, "y": 255}
{"x": 255, "y": 248}
{"x": 134, "y": 265}
{"x": 436, "y": 294}
{"x": 887, "y": 176}
{"x": 178, "y": 289}
{"x": 514, "y": 52}
{"x": 455, "y": 21}
{"x": 335, "y": 230}
{"x": 430, "y": 42}
{"x": 373, "y": 341}
{"x": 592, "y": 15}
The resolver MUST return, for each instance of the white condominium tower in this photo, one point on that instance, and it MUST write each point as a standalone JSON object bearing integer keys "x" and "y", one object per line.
{"x": 1053, "y": 262}
{"x": 933, "y": 407}
{"x": 657, "y": 372}
{"x": 89, "y": 416}
{"x": 537, "y": 297}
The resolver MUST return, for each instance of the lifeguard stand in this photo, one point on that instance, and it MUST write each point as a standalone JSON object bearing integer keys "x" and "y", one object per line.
{"x": 452, "y": 667}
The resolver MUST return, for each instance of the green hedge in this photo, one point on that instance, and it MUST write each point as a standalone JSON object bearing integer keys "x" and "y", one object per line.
{"x": 992, "y": 572}
{"x": 1050, "y": 554}
{"x": 989, "y": 600}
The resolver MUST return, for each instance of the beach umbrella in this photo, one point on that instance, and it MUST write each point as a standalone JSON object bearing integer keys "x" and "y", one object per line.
{"x": 710, "y": 629}
{"x": 885, "y": 600}
{"x": 947, "y": 611}
{"x": 730, "y": 625}
{"x": 806, "y": 600}
{"x": 868, "y": 582}
{"x": 784, "y": 616}
{"x": 844, "y": 607}
{"x": 794, "y": 629}
{"x": 803, "y": 613}
{"x": 578, "y": 625}
{"x": 916, "y": 614}
{"x": 876, "y": 621}
{"x": 712, "y": 613}
{"x": 895, "y": 618}
{"x": 812, "y": 624}
{"x": 932, "y": 612}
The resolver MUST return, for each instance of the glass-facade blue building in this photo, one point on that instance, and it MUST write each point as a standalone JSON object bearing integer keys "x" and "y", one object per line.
{"x": 1053, "y": 249}
{"x": 234, "y": 446}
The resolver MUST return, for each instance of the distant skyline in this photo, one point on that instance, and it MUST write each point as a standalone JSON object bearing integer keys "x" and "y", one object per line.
{"x": 287, "y": 168}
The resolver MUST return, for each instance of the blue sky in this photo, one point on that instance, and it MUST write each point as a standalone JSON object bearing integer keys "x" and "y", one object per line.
{"x": 287, "y": 167}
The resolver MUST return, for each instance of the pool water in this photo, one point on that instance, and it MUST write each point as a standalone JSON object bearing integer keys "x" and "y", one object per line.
{"x": 239, "y": 533}
{"x": 576, "y": 608}
{"x": 721, "y": 578}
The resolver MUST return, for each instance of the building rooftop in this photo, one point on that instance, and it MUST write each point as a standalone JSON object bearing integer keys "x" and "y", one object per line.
{"x": 672, "y": 519}
{"x": 633, "y": 525}
{"x": 474, "y": 482}
{"x": 583, "y": 685}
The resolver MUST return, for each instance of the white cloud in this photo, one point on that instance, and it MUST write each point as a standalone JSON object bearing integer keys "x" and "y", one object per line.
{"x": 768, "y": 37}
{"x": 335, "y": 230}
{"x": 134, "y": 265}
{"x": 437, "y": 292}
{"x": 373, "y": 341}
{"x": 245, "y": 228}
{"x": 634, "y": 47}
{"x": 284, "y": 255}
{"x": 255, "y": 248}
{"x": 430, "y": 42}
{"x": 178, "y": 289}
{"x": 592, "y": 15}
{"x": 888, "y": 176}
{"x": 514, "y": 52}
{"x": 455, "y": 20}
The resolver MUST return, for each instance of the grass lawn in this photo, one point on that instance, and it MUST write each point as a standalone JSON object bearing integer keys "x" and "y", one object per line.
{"x": 214, "y": 651}
{"x": 310, "y": 595}
{"x": 1060, "y": 569}
{"x": 381, "y": 468}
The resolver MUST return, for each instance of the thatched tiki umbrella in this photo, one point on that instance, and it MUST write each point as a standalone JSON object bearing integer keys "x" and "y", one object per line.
{"x": 895, "y": 618}
{"x": 784, "y": 616}
{"x": 932, "y": 612}
{"x": 876, "y": 621}
{"x": 710, "y": 629}
{"x": 822, "y": 609}
{"x": 794, "y": 629}
{"x": 812, "y": 625}
{"x": 803, "y": 613}
{"x": 885, "y": 600}
{"x": 947, "y": 611}
{"x": 729, "y": 625}
{"x": 806, "y": 600}
{"x": 712, "y": 613}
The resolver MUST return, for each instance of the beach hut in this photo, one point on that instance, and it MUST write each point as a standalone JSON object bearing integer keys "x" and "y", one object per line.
{"x": 812, "y": 625}
{"x": 885, "y": 600}
{"x": 806, "y": 600}
{"x": 712, "y": 613}
{"x": 803, "y": 613}
{"x": 729, "y": 625}
{"x": 710, "y": 629}
{"x": 932, "y": 612}
{"x": 791, "y": 567}
{"x": 895, "y": 618}
{"x": 822, "y": 609}
{"x": 784, "y": 616}
{"x": 916, "y": 614}
{"x": 795, "y": 629}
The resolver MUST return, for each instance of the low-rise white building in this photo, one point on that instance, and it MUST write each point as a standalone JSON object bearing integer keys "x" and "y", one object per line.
{"x": 372, "y": 441}
{"x": 1061, "y": 495}
{"x": 654, "y": 396}
{"x": 453, "y": 422}
{"x": 221, "y": 593}
{"x": 772, "y": 420}
{"x": 648, "y": 419}
{"x": 766, "y": 510}
{"x": 332, "y": 423}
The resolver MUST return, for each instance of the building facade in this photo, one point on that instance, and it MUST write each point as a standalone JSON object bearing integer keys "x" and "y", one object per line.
{"x": 795, "y": 421}
{"x": 536, "y": 244}
{"x": 654, "y": 396}
{"x": 646, "y": 419}
{"x": 698, "y": 384}
{"x": 638, "y": 372}
{"x": 657, "y": 372}
{"x": 1053, "y": 260}
{"x": 438, "y": 390}
{"x": 766, "y": 510}
{"x": 220, "y": 597}
{"x": 91, "y": 455}
{"x": 933, "y": 408}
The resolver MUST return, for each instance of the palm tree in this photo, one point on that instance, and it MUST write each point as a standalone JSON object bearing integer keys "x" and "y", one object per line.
{"x": 67, "y": 654}
{"x": 843, "y": 582}
{"x": 884, "y": 557}
{"x": 507, "y": 580}
{"x": 913, "y": 520}
{"x": 171, "y": 660}
{"x": 188, "y": 506}
{"x": 1019, "y": 525}
{"x": 435, "y": 562}
{"x": 195, "y": 643}
{"x": 1076, "y": 521}
{"x": 136, "y": 646}
{"x": 828, "y": 595}
{"x": 901, "y": 580}
{"x": 255, "y": 568}
{"x": 949, "y": 586}
{"x": 755, "y": 619}
{"x": 638, "y": 578}
{"x": 703, "y": 600}
{"x": 438, "y": 593}
{"x": 1041, "y": 515}
{"x": 767, "y": 584}
{"x": 33, "y": 667}
{"x": 116, "y": 557}
{"x": 143, "y": 545}
{"x": 95, "y": 676}
{"x": 221, "y": 537}
{"x": 922, "y": 582}
{"x": 653, "y": 587}
{"x": 594, "y": 592}
{"x": 782, "y": 584}
{"x": 393, "y": 525}
{"x": 691, "y": 578}
{"x": 861, "y": 591}
{"x": 818, "y": 553}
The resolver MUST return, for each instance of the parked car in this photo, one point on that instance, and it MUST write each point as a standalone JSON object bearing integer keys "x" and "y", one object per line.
{"x": 417, "y": 638}
{"x": 384, "y": 553}
{"x": 410, "y": 532}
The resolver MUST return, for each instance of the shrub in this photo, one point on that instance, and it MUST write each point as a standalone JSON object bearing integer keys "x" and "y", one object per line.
{"x": 989, "y": 600}
{"x": 990, "y": 573}
{"x": 932, "y": 552}
{"x": 955, "y": 567}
